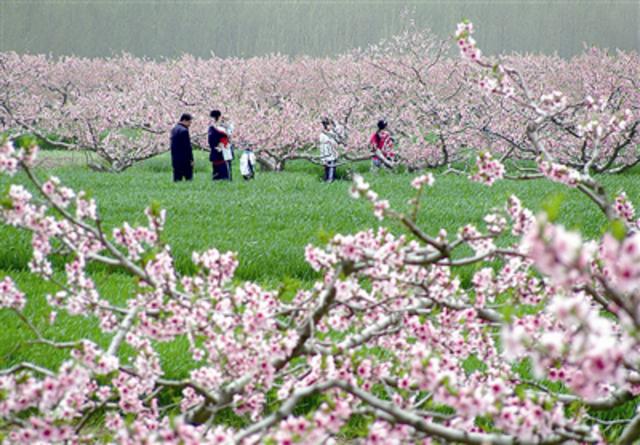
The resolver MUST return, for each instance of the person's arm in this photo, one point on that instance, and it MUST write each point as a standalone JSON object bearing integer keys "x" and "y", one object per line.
{"x": 172, "y": 142}
{"x": 388, "y": 146}
{"x": 189, "y": 147}
{"x": 221, "y": 129}
{"x": 333, "y": 145}
{"x": 386, "y": 151}
{"x": 174, "y": 148}
{"x": 210, "y": 136}
{"x": 373, "y": 143}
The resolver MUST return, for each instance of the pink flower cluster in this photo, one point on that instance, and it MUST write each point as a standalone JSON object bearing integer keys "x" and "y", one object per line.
{"x": 521, "y": 217}
{"x": 552, "y": 103}
{"x": 89, "y": 355}
{"x": 489, "y": 170}
{"x": 136, "y": 240}
{"x": 322, "y": 424}
{"x": 466, "y": 43}
{"x": 60, "y": 398}
{"x": 560, "y": 254}
{"x": 560, "y": 173}
{"x": 573, "y": 344}
{"x": 568, "y": 125}
{"x": 623, "y": 208}
{"x": 621, "y": 262}
{"x": 480, "y": 243}
{"x": 10, "y": 296}
{"x": 360, "y": 188}
{"x": 8, "y": 159}
{"x": 423, "y": 180}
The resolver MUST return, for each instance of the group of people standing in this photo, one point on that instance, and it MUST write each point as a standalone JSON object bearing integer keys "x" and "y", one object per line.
{"x": 221, "y": 150}
{"x": 332, "y": 134}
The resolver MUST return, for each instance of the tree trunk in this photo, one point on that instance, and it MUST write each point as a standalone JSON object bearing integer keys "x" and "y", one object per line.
{"x": 270, "y": 164}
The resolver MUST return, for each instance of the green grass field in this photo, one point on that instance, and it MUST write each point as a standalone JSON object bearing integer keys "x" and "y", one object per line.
{"x": 268, "y": 222}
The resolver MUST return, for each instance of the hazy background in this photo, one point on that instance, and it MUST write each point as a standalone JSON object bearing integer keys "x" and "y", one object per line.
{"x": 168, "y": 28}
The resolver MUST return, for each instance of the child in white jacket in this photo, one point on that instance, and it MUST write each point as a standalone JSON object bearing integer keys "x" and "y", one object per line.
{"x": 248, "y": 164}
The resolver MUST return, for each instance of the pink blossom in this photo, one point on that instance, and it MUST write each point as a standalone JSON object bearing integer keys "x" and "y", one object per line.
{"x": 420, "y": 181}
{"x": 489, "y": 169}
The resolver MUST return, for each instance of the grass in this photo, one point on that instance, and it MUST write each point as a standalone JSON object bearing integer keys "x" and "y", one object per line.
{"x": 268, "y": 222}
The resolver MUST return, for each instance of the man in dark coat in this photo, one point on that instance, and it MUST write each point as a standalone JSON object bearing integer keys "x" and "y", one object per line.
{"x": 181, "y": 151}
{"x": 219, "y": 165}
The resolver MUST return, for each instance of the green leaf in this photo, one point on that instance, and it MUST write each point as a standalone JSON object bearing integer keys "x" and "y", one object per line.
{"x": 618, "y": 229}
{"x": 6, "y": 203}
{"x": 574, "y": 407}
{"x": 289, "y": 289}
{"x": 548, "y": 405}
{"x": 507, "y": 313}
{"x": 325, "y": 236}
{"x": 552, "y": 204}
{"x": 447, "y": 384}
{"x": 155, "y": 208}
{"x": 25, "y": 141}
{"x": 148, "y": 257}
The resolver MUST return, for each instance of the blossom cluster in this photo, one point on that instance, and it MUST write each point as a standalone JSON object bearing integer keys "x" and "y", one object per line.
{"x": 466, "y": 43}
{"x": 489, "y": 170}
{"x": 560, "y": 173}
{"x": 360, "y": 188}
{"x": 10, "y": 295}
{"x": 552, "y": 103}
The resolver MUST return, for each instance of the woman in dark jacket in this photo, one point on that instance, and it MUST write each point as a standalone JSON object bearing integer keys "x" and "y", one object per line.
{"x": 220, "y": 166}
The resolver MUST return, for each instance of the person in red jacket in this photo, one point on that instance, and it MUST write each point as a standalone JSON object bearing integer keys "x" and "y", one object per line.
{"x": 381, "y": 145}
{"x": 216, "y": 134}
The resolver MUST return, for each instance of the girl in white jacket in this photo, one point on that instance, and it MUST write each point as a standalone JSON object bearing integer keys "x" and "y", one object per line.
{"x": 248, "y": 164}
{"x": 328, "y": 152}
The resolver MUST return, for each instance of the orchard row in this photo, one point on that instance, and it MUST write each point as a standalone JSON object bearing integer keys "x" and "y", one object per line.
{"x": 438, "y": 109}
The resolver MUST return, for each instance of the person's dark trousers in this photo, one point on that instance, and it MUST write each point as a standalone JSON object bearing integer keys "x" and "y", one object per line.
{"x": 329, "y": 172}
{"x": 230, "y": 170}
{"x": 181, "y": 172}
{"x": 220, "y": 171}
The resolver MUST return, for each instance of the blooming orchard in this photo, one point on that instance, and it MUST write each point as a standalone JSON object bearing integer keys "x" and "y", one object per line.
{"x": 585, "y": 110}
{"x": 122, "y": 108}
{"x": 389, "y": 334}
